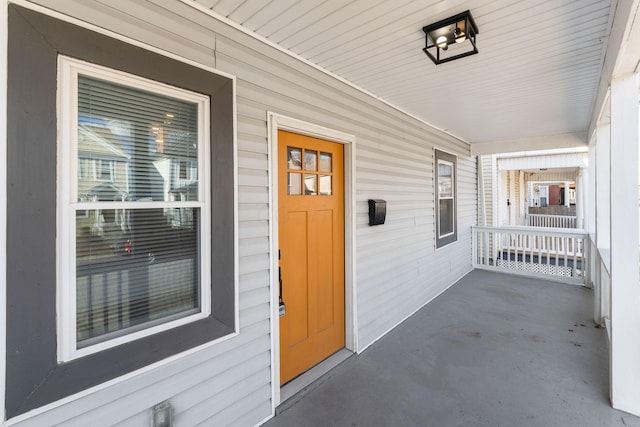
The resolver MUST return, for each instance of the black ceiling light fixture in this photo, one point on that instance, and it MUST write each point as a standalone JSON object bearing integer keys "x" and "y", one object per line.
{"x": 451, "y": 36}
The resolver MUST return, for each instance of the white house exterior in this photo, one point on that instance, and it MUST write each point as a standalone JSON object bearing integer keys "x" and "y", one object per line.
{"x": 218, "y": 362}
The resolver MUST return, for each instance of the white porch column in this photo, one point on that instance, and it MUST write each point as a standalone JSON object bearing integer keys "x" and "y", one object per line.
{"x": 590, "y": 192}
{"x": 501, "y": 196}
{"x": 625, "y": 275}
{"x": 513, "y": 203}
{"x": 603, "y": 184}
{"x": 482, "y": 201}
{"x": 566, "y": 194}
{"x": 580, "y": 184}
{"x": 601, "y": 222}
{"x": 522, "y": 200}
{"x": 590, "y": 227}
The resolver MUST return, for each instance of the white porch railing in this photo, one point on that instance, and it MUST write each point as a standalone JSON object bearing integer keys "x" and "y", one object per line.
{"x": 539, "y": 252}
{"x": 550, "y": 221}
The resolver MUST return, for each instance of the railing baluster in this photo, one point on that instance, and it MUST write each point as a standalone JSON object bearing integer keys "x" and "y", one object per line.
{"x": 510, "y": 246}
{"x": 105, "y": 302}
{"x": 505, "y": 249}
{"x": 120, "y": 302}
{"x": 574, "y": 270}
{"x": 531, "y": 246}
{"x": 556, "y": 246}
{"x": 90, "y": 299}
{"x": 548, "y": 246}
{"x": 486, "y": 247}
{"x": 517, "y": 250}
{"x": 566, "y": 251}
{"x": 539, "y": 242}
{"x": 505, "y": 237}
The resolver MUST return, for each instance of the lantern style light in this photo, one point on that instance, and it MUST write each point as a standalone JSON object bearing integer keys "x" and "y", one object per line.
{"x": 457, "y": 32}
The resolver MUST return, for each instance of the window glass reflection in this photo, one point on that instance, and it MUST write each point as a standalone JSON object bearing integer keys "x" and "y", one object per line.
{"x": 126, "y": 277}
{"x": 310, "y": 185}
{"x": 310, "y": 160}
{"x": 294, "y": 187}
{"x": 325, "y": 162}
{"x": 294, "y": 158}
{"x": 325, "y": 185}
{"x": 445, "y": 179}
{"x": 135, "y": 145}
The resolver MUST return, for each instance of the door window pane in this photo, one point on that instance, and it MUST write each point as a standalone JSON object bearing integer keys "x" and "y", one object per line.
{"x": 325, "y": 162}
{"x": 310, "y": 186}
{"x": 310, "y": 160}
{"x": 294, "y": 158}
{"x": 325, "y": 185}
{"x": 294, "y": 187}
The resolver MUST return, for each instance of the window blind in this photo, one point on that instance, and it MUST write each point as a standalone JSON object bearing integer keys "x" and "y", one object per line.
{"x": 138, "y": 213}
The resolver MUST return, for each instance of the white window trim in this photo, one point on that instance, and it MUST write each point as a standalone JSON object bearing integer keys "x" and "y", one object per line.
{"x": 68, "y": 70}
{"x": 452, "y": 197}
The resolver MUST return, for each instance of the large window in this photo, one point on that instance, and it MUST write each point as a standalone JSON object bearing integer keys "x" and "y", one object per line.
{"x": 446, "y": 223}
{"x": 121, "y": 217}
{"x": 134, "y": 235}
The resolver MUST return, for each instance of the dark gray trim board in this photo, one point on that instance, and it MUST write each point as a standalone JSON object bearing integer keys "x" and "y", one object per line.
{"x": 34, "y": 377}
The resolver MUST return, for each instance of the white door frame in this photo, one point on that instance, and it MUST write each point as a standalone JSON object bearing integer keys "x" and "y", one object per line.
{"x": 276, "y": 122}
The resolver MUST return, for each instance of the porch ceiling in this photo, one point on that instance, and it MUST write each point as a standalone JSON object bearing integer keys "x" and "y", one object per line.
{"x": 536, "y": 75}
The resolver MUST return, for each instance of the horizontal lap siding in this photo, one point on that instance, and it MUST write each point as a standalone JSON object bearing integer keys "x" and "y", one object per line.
{"x": 398, "y": 268}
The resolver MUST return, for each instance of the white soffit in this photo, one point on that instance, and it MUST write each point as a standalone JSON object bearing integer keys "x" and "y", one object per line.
{"x": 536, "y": 74}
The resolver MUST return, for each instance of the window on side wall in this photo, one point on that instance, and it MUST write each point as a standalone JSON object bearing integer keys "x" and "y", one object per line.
{"x": 446, "y": 198}
{"x": 135, "y": 237}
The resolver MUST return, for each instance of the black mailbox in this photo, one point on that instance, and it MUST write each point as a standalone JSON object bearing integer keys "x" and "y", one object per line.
{"x": 377, "y": 211}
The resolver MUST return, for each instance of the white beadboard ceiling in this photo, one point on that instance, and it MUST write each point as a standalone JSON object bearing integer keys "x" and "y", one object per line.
{"x": 536, "y": 75}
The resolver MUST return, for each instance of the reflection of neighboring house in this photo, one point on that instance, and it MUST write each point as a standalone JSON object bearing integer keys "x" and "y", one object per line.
{"x": 103, "y": 175}
{"x": 101, "y": 160}
{"x": 180, "y": 178}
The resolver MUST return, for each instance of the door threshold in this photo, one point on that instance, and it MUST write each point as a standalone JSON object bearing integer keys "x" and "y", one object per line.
{"x": 303, "y": 381}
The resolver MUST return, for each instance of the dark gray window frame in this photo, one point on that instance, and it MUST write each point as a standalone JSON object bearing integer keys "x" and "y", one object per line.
{"x": 450, "y": 238}
{"x": 34, "y": 376}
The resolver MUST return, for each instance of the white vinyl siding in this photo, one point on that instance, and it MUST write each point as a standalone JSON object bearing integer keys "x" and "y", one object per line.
{"x": 398, "y": 269}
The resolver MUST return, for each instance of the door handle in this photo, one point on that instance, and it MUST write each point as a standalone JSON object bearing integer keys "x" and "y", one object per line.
{"x": 281, "y": 306}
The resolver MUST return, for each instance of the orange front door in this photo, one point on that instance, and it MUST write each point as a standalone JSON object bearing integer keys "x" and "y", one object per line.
{"x": 311, "y": 236}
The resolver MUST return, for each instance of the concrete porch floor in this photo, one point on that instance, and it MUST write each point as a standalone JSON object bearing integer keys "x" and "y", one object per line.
{"x": 494, "y": 350}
